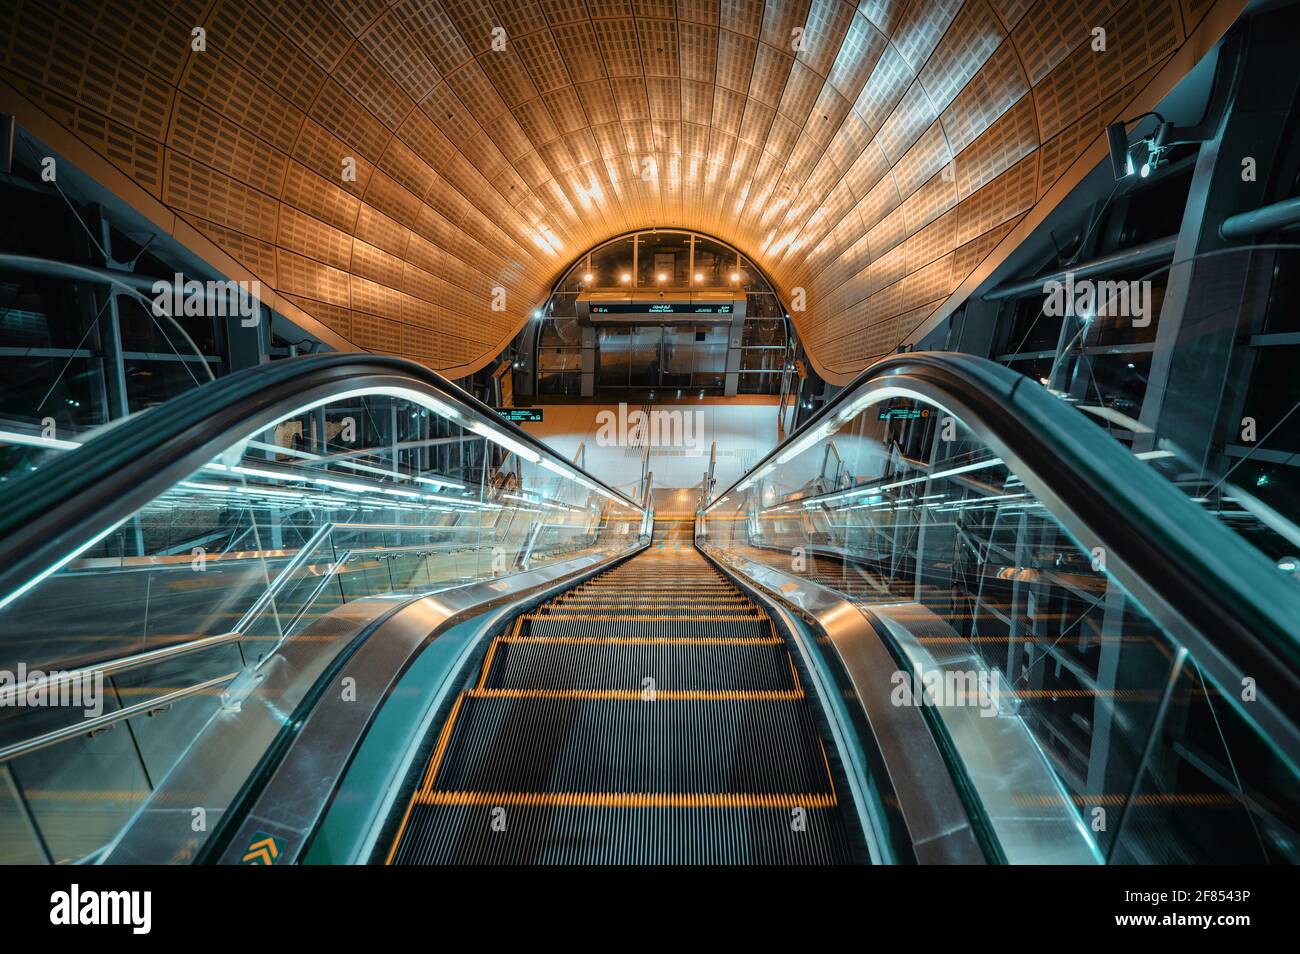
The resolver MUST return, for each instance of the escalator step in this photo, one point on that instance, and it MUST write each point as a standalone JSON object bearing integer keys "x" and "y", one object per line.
{"x": 706, "y": 665}
{"x": 490, "y": 834}
{"x": 612, "y": 745}
{"x": 589, "y": 625}
{"x": 557, "y": 755}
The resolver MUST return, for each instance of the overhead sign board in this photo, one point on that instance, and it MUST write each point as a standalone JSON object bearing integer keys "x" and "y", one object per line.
{"x": 902, "y": 413}
{"x": 663, "y": 308}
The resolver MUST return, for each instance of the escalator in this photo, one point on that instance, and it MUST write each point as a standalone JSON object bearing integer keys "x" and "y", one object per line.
{"x": 650, "y": 715}
{"x": 443, "y": 643}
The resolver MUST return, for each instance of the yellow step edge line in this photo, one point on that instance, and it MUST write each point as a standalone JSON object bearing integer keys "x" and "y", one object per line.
{"x": 487, "y": 662}
{"x": 643, "y": 603}
{"x": 635, "y": 695}
{"x": 794, "y": 674}
{"x": 648, "y": 640}
{"x": 661, "y": 597}
{"x": 645, "y": 619}
{"x": 427, "y": 785}
{"x": 633, "y": 799}
{"x": 827, "y": 763}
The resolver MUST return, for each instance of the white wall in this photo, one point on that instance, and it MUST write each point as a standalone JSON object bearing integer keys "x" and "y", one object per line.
{"x": 680, "y": 456}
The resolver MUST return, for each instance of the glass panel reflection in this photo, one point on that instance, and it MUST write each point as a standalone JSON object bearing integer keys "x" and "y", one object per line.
{"x": 1061, "y": 677}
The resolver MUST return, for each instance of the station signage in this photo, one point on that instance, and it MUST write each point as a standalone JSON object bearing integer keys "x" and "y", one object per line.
{"x": 663, "y": 308}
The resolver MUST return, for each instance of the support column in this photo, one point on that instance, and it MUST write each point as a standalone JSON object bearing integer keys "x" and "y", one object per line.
{"x": 1199, "y": 318}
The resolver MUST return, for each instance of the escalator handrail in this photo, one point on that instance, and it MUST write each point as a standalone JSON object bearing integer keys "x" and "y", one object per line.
{"x": 84, "y": 493}
{"x": 1159, "y": 545}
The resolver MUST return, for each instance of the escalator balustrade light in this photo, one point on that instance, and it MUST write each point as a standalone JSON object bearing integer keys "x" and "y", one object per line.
{"x": 440, "y": 482}
{"x": 35, "y": 440}
{"x": 558, "y": 469}
{"x": 341, "y": 485}
{"x": 509, "y": 443}
{"x": 60, "y": 563}
{"x": 805, "y": 443}
{"x": 951, "y": 472}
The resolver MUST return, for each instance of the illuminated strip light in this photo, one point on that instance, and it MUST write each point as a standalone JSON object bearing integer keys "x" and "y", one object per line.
{"x": 355, "y": 465}
{"x": 976, "y": 502}
{"x": 965, "y": 469}
{"x": 35, "y": 440}
{"x": 60, "y": 563}
{"x": 805, "y": 443}
{"x": 509, "y": 443}
{"x": 441, "y": 482}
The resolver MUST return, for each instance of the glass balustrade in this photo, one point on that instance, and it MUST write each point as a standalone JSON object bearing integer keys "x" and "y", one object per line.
{"x": 1083, "y": 728}
{"x": 374, "y": 493}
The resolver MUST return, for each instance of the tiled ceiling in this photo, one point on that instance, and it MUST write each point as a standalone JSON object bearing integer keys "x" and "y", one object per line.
{"x": 874, "y": 167}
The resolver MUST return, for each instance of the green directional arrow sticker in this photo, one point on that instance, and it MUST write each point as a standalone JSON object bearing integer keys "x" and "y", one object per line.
{"x": 263, "y": 849}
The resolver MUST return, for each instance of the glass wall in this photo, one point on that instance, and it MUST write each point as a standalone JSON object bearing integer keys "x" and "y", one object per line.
{"x": 379, "y": 493}
{"x": 1076, "y": 717}
{"x": 666, "y": 355}
{"x": 76, "y": 355}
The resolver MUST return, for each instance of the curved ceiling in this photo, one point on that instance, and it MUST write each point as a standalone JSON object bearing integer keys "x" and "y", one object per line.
{"x": 873, "y": 155}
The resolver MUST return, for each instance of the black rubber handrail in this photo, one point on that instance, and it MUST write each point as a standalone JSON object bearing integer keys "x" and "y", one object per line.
{"x": 74, "y": 497}
{"x": 1219, "y": 596}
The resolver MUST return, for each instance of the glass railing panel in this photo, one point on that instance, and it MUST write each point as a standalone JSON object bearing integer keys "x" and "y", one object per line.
{"x": 1233, "y": 453}
{"x": 1213, "y": 790}
{"x": 1046, "y": 675}
{"x": 384, "y": 494}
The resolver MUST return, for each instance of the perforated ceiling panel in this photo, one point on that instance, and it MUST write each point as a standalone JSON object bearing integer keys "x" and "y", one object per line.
{"x": 390, "y": 167}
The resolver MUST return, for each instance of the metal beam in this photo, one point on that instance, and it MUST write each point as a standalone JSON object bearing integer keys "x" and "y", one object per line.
{"x": 1269, "y": 218}
{"x": 1126, "y": 259}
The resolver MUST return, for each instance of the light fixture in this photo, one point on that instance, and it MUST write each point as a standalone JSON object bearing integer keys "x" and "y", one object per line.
{"x": 699, "y": 277}
{"x": 1146, "y": 155}
{"x": 587, "y": 277}
{"x": 537, "y": 312}
{"x": 735, "y": 276}
{"x": 509, "y": 443}
{"x": 662, "y": 277}
{"x": 625, "y": 278}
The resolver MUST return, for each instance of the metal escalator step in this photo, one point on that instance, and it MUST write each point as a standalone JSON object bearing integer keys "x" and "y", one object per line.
{"x": 557, "y": 755}
{"x": 575, "y": 625}
{"x": 663, "y": 747}
{"x": 673, "y": 666}
{"x": 633, "y": 603}
{"x": 673, "y": 615}
{"x": 545, "y": 834}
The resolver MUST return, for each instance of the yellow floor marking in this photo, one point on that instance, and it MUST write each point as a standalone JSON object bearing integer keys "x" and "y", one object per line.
{"x": 633, "y": 799}
{"x": 644, "y": 619}
{"x": 635, "y": 695}
{"x": 434, "y": 764}
{"x": 487, "y": 662}
{"x": 649, "y": 640}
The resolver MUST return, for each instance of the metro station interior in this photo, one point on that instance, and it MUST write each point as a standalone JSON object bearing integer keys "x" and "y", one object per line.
{"x": 649, "y": 432}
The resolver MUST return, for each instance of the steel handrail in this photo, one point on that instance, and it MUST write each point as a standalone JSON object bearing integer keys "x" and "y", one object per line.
{"x": 1225, "y": 601}
{"x": 51, "y": 516}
